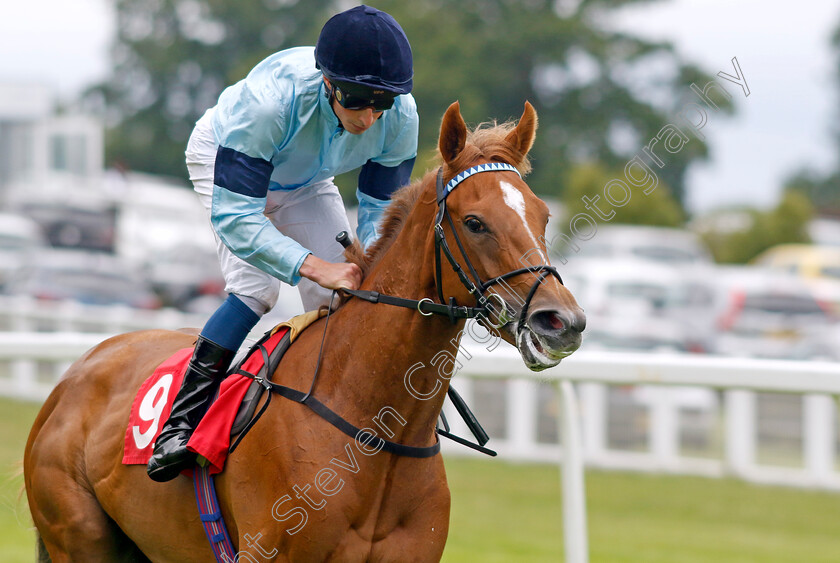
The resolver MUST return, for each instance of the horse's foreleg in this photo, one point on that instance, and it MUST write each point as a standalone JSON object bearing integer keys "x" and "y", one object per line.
{"x": 421, "y": 534}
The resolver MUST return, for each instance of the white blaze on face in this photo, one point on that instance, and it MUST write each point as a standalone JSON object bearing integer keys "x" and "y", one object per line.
{"x": 515, "y": 200}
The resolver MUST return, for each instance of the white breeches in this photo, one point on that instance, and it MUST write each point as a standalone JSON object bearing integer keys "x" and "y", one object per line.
{"x": 311, "y": 215}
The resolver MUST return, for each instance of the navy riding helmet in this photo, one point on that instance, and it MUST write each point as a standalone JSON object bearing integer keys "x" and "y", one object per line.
{"x": 365, "y": 49}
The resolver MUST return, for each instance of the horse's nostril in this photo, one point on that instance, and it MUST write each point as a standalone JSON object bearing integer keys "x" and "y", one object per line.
{"x": 548, "y": 321}
{"x": 551, "y": 321}
{"x": 556, "y": 321}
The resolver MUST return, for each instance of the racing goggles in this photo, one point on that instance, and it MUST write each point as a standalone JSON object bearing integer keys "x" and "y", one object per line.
{"x": 354, "y": 96}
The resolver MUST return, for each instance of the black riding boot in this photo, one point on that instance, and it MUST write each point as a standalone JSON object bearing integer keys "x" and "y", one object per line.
{"x": 208, "y": 366}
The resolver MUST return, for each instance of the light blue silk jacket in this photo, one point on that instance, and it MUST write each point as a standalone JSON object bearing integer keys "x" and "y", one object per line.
{"x": 275, "y": 130}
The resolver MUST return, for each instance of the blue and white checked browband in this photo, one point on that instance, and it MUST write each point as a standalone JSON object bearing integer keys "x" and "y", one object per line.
{"x": 489, "y": 167}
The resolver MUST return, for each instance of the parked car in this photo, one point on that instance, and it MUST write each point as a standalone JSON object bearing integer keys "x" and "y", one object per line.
{"x": 20, "y": 240}
{"x": 184, "y": 273}
{"x": 807, "y": 260}
{"x": 819, "y": 343}
{"x": 90, "y": 278}
{"x": 68, "y": 226}
{"x": 637, "y": 334}
{"x": 768, "y": 313}
{"x": 675, "y": 247}
{"x": 641, "y": 305}
{"x": 827, "y": 292}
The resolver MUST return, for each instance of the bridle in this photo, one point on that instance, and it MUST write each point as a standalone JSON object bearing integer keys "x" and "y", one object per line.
{"x": 427, "y": 307}
{"x": 487, "y": 302}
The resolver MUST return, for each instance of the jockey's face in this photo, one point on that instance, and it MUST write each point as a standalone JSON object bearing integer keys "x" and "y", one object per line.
{"x": 355, "y": 121}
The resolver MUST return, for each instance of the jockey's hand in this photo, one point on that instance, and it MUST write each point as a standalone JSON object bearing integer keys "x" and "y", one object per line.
{"x": 331, "y": 275}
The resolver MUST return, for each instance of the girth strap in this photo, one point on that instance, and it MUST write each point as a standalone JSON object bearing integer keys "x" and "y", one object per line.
{"x": 211, "y": 515}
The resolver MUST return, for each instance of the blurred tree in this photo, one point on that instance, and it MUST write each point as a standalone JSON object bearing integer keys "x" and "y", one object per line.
{"x": 822, "y": 190}
{"x": 172, "y": 58}
{"x": 601, "y": 93}
{"x": 659, "y": 208}
{"x": 786, "y": 223}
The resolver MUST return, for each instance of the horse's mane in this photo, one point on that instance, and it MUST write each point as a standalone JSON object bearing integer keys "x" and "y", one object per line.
{"x": 487, "y": 141}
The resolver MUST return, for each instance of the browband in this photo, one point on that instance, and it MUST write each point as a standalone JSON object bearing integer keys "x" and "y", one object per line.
{"x": 489, "y": 167}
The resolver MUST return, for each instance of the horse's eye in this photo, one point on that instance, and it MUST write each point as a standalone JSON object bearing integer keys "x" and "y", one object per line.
{"x": 474, "y": 225}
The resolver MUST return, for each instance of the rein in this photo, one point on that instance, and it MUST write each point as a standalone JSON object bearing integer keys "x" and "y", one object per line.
{"x": 425, "y": 307}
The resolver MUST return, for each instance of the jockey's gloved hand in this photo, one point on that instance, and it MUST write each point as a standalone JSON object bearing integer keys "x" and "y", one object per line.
{"x": 331, "y": 275}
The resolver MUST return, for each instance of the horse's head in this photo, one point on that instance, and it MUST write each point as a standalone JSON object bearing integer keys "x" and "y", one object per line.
{"x": 495, "y": 231}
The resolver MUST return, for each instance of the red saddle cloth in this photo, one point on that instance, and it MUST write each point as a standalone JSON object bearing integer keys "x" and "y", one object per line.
{"x": 153, "y": 404}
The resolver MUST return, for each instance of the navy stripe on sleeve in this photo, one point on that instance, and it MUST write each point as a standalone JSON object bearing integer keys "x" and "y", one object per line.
{"x": 242, "y": 174}
{"x": 380, "y": 181}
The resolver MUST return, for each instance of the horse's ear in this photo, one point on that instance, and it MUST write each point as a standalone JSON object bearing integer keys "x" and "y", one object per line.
{"x": 453, "y": 133}
{"x": 522, "y": 137}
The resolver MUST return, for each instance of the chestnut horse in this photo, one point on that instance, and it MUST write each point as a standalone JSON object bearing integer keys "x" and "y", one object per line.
{"x": 297, "y": 489}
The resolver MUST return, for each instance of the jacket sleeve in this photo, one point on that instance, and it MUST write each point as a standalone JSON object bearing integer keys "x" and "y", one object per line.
{"x": 376, "y": 184}
{"x": 248, "y": 128}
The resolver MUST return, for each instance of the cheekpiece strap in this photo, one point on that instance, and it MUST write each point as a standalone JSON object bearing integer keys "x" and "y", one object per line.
{"x": 489, "y": 167}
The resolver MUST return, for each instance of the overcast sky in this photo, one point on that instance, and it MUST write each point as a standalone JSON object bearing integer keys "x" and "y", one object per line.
{"x": 59, "y": 43}
{"x": 785, "y": 123}
{"x": 782, "y": 48}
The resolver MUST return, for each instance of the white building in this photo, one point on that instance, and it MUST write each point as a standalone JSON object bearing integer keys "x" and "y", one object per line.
{"x": 38, "y": 145}
{"x": 53, "y": 164}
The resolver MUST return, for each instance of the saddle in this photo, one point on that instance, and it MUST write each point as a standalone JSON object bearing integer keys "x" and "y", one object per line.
{"x": 255, "y": 391}
{"x": 228, "y": 414}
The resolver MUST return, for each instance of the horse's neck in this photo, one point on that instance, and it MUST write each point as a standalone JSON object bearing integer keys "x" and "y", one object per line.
{"x": 387, "y": 358}
{"x": 390, "y": 364}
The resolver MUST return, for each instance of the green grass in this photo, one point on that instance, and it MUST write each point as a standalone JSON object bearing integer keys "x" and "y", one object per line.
{"x": 504, "y": 512}
{"x": 510, "y": 512}
{"x": 17, "y": 538}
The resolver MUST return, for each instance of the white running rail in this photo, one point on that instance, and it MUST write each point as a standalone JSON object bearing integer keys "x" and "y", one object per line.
{"x": 31, "y": 362}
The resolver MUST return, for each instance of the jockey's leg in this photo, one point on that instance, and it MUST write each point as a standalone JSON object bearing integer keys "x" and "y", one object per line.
{"x": 251, "y": 293}
{"x": 312, "y": 216}
{"x": 217, "y": 344}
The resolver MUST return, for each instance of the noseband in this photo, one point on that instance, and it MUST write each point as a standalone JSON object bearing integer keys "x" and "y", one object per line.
{"x": 487, "y": 302}
{"x": 477, "y": 287}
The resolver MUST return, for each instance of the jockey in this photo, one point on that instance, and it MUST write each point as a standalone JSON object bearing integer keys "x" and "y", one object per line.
{"x": 263, "y": 161}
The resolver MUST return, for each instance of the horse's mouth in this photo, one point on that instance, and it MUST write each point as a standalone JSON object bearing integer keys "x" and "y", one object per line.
{"x": 537, "y": 354}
